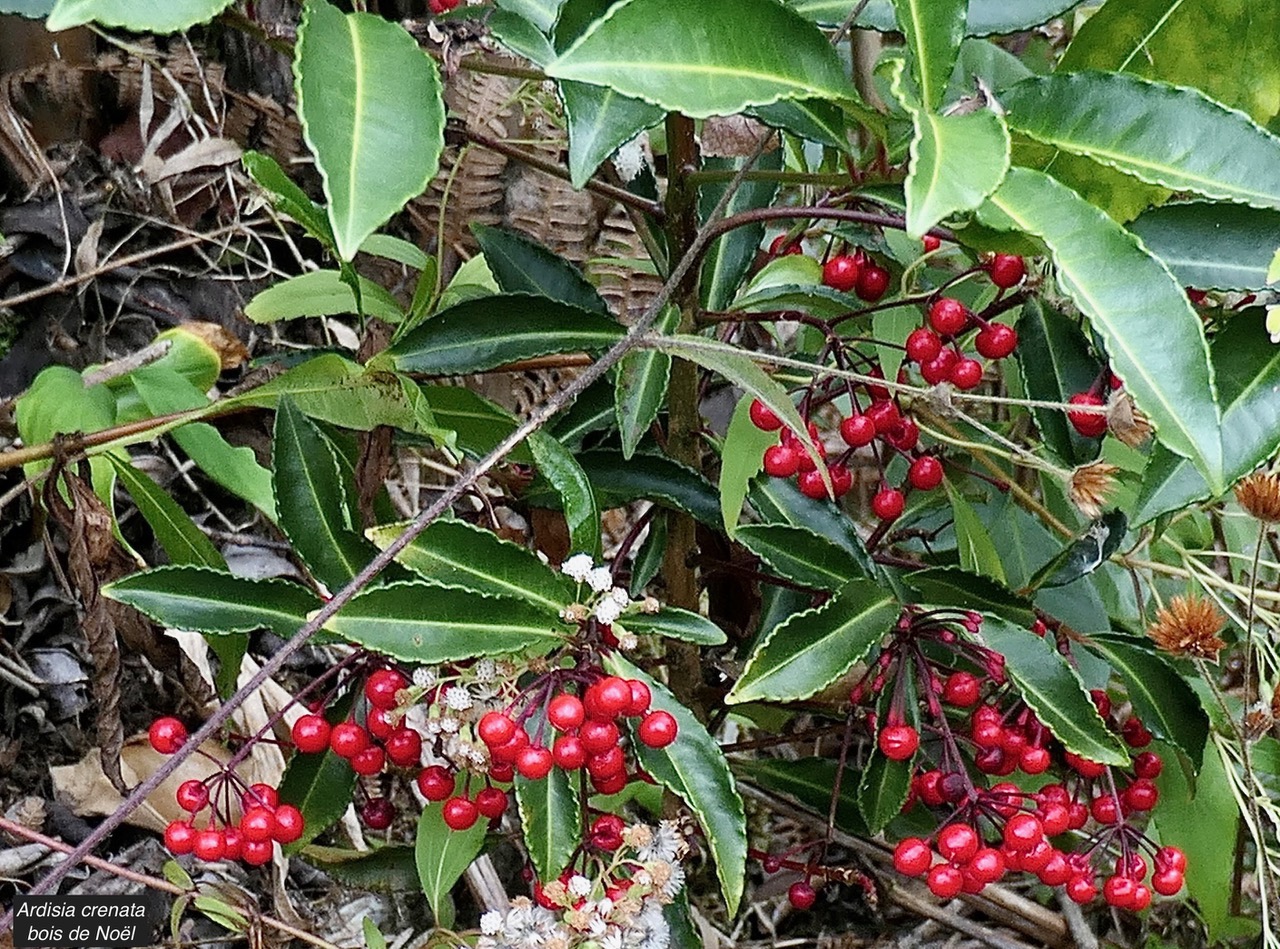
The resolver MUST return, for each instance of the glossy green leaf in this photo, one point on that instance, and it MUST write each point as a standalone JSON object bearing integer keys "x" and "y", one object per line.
{"x": 320, "y": 785}
{"x": 1212, "y": 246}
{"x": 1248, "y": 372}
{"x": 520, "y": 36}
{"x": 985, "y": 17}
{"x": 741, "y": 459}
{"x": 541, "y": 13}
{"x": 389, "y": 247}
{"x": 695, "y": 58}
{"x": 648, "y": 559}
{"x": 816, "y": 300}
{"x": 883, "y": 791}
{"x": 1168, "y": 706}
{"x": 582, "y": 512}
{"x": 956, "y": 160}
{"x": 814, "y": 648}
{"x": 522, "y": 265}
{"x": 173, "y": 16}
{"x": 1056, "y": 363}
{"x": 640, "y": 389}
{"x": 592, "y": 411}
{"x": 814, "y": 119}
{"x": 694, "y": 769}
{"x": 182, "y": 540}
{"x": 600, "y": 122}
{"x": 372, "y": 114}
{"x": 1154, "y": 338}
{"x": 618, "y": 482}
{"x": 778, "y": 500}
{"x": 454, "y": 553}
{"x": 287, "y": 196}
{"x": 425, "y": 623}
{"x": 890, "y": 328}
{"x": 480, "y": 425}
{"x": 809, "y": 781}
{"x": 210, "y": 601}
{"x": 729, "y": 258}
{"x": 799, "y": 555}
{"x": 933, "y": 30}
{"x": 1172, "y": 136}
{"x": 443, "y": 855}
{"x": 987, "y": 62}
{"x": 1085, "y": 554}
{"x": 1052, "y": 690}
{"x": 978, "y": 553}
{"x": 949, "y": 586}
{"x": 675, "y": 623}
{"x": 388, "y": 869}
{"x": 551, "y": 818}
{"x": 320, "y": 293}
{"x": 491, "y": 331}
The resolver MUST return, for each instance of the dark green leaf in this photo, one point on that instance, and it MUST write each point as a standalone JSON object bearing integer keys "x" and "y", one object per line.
{"x": 443, "y": 855}
{"x": 813, "y": 119}
{"x": 388, "y": 869}
{"x": 1168, "y": 706}
{"x": 600, "y": 122}
{"x": 694, "y": 769}
{"x": 183, "y": 542}
{"x": 809, "y": 781}
{"x": 210, "y": 601}
{"x": 522, "y": 265}
{"x": 479, "y": 424}
{"x": 977, "y": 551}
{"x": 520, "y": 36}
{"x": 1084, "y": 555}
{"x": 320, "y": 785}
{"x": 985, "y": 17}
{"x": 729, "y": 257}
{"x": 618, "y": 482}
{"x": 814, "y": 648}
{"x": 648, "y": 560}
{"x": 640, "y": 390}
{"x": 577, "y": 499}
{"x": 454, "y": 553}
{"x": 490, "y": 331}
{"x": 425, "y": 623}
{"x": 593, "y": 411}
{"x": 947, "y": 586}
{"x": 541, "y": 13}
{"x": 1212, "y": 246}
{"x": 933, "y": 30}
{"x": 800, "y": 555}
{"x": 1154, "y": 338}
{"x": 1053, "y": 691}
{"x": 1055, "y": 360}
{"x": 287, "y": 196}
{"x": 551, "y": 818}
{"x": 883, "y": 790}
{"x": 675, "y": 623}
{"x": 816, "y": 300}
{"x": 741, "y": 459}
{"x": 779, "y": 501}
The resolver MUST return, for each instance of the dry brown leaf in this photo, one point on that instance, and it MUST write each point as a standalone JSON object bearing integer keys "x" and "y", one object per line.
{"x": 231, "y": 352}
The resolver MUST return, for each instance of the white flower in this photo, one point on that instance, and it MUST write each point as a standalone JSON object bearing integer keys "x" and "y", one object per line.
{"x": 457, "y": 698}
{"x": 486, "y": 670}
{"x": 620, "y": 596}
{"x": 650, "y": 929}
{"x": 491, "y": 922}
{"x": 607, "y": 612}
{"x": 604, "y": 907}
{"x": 675, "y": 882}
{"x": 579, "y": 885}
{"x": 424, "y": 677}
{"x": 600, "y": 579}
{"x": 448, "y": 725}
{"x": 626, "y": 641}
{"x": 578, "y": 567}
{"x": 666, "y": 844}
{"x": 612, "y": 939}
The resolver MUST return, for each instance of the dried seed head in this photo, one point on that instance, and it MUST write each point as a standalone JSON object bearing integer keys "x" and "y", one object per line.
{"x": 1189, "y": 626}
{"x": 1259, "y": 494}
{"x": 1125, "y": 420}
{"x": 1090, "y": 485}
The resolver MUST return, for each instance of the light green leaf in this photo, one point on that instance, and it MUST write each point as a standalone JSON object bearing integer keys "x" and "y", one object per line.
{"x": 1166, "y": 135}
{"x": 478, "y": 423}
{"x": 558, "y": 465}
{"x": 891, "y": 327}
{"x": 541, "y": 13}
{"x": 956, "y": 160}
{"x": 443, "y": 855}
{"x": 800, "y": 555}
{"x": 172, "y": 16}
{"x": 985, "y": 17}
{"x": 675, "y": 623}
{"x": 551, "y": 818}
{"x": 372, "y": 114}
{"x": 398, "y": 249}
{"x": 933, "y": 29}
{"x": 741, "y": 459}
{"x": 210, "y": 601}
{"x": 978, "y": 553}
{"x": 426, "y": 623}
{"x": 520, "y": 36}
{"x": 454, "y": 553}
{"x": 600, "y": 122}
{"x": 1154, "y": 338}
{"x": 1053, "y": 691}
{"x": 287, "y": 196}
{"x": 694, "y": 769}
{"x": 1213, "y": 246}
{"x": 522, "y": 265}
{"x": 696, "y": 58}
{"x": 32, "y": 9}
{"x": 320, "y": 293}
{"x": 812, "y": 649}
{"x": 640, "y": 389}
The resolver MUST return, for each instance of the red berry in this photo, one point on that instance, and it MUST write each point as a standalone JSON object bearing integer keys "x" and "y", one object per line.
{"x": 899, "y": 742}
{"x": 598, "y": 736}
{"x": 987, "y": 865}
{"x": 1006, "y": 270}
{"x": 904, "y": 435}
{"x": 1022, "y": 832}
{"x": 1088, "y": 424}
{"x": 641, "y": 696}
{"x": 961, "y": 688}
{"x": 1141, "y": 898}
{"x": 503, "y": 773}
{"x": 534, "y": 762}
{"x": 379, "y": 724}
{"x": 948, "y": 316}
{"x": 888, "y": 504}
{"x": 167, "y": 735}
{"x": 1081, "y": 889}
{"x": 179, "y": 837}
{"x": 311, "y": 734}
{"x": 565, "y": 712}
{"x": 856, "y": 430}
{"x": 260, "y": 795}
{"x": 771, "y": 864}
{"x": 912, "y": 857}
{"x": 841, "y": 272}
{"x": 1034, "y": 760}
{"x": 925, "y": 474}
{"x": 1056, "y": 871}
{"x": 1055, "y": 818}
{"x": 606, "y": 698}
{"x": 781, "y": 461}
{"x": 377, "y": 813}
{"x": 1171, "y": 858}
{"x": 286, "y": 824}
{"x": 966, "y": 374}
{"x": 404, "y": 748}
{"x": 491, "y": 802}
{"x": 256, "y": 852}
{"x": 607, "y": 763}
{"x": 347, "y": 739}
{"x": 1135, "y": 733}
{"x": 1118, "y": 891}
{"x": 459, "y": 813}
{"x": 608, "y": 825}
{"x": 779, "y": 247}
{"x": 811, "y": 486}
{"x": 256, "y": 824}
{"x": 192, "y": 796}
{"x": 658, "y": 729}
{"x": 381, "y": 688}
{"x": 763, "y": 417}
{"x": 872, "y": 283}
{"x": 938, "y": 369}
{"x": 929, "y": 787}
{"x": 435, "y": 782}
{"x": 1147, "y": 764}
{"x": 1105, "y": 809}
{"x": 930, "y": 243}
{"x": 945, "y": 881}
{"x": 1132, "y": 866}
{"x": 568, "y": 753}
{"x": 370, "y": 761}
{"x": 496, "y": 729}
{"x": 841, "y": 479}
{"x": 1084, "y": 767}
{"x": 802, "y": 895}
{"x": 232, "y": 844}
{"x": 1141, "y": 795}
{"x": 209, "y": 845}
{"x": 923, "y": 345}
{"x": 958, "y": 842}
{"x": 1037, "y": 858}
{"x": 1167, "y": 882}
{"x": 611, "y": 784}
{"x": 996, "y": 340}
{"x": 884, "y": 416}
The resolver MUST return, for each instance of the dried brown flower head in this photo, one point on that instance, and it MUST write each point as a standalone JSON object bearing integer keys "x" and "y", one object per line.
{"x": 1090, "y": 486}
{"x": 1125, "y": 420}
{"x": 1259, "y": 494}
{"x": 1189, "y": 626}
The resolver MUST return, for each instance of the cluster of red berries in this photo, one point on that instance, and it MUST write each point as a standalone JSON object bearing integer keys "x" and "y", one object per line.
{"x": 856, "y": 273}
{"x": 935, "y": 347}
{"x": 442, "y": 6}
{"x": 263, "y": 821}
